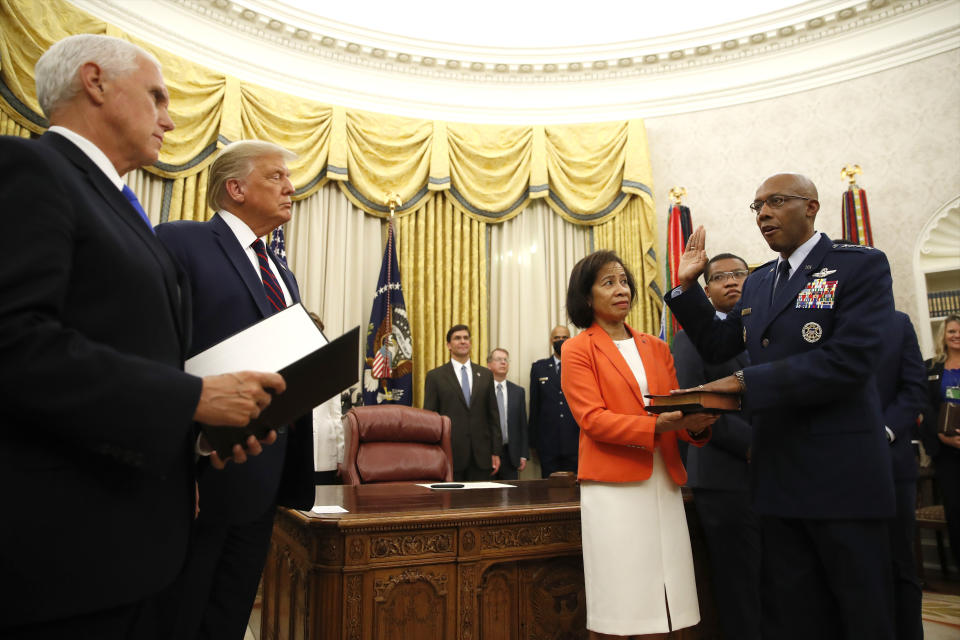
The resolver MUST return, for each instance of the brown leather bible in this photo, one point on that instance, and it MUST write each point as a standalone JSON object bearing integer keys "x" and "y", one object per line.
{"x": 948, "y": 421}
{"x": 694, "y": 402}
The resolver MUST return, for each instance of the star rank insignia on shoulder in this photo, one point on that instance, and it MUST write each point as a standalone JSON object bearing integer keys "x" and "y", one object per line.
{"x": 857, "y": 247}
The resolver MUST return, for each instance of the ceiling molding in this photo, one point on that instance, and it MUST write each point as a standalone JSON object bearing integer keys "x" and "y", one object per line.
{"x": 809, "y": 45}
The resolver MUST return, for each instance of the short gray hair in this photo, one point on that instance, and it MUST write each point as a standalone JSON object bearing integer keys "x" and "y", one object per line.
{"x": 493, "y": 351}
{"x": 236, "y": 162}
{"x": 56, "y": 71}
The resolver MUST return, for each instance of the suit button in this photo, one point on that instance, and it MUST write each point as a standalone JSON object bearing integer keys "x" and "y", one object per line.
{"x": 561, "y": 415}
{"x": 765, "y": 343}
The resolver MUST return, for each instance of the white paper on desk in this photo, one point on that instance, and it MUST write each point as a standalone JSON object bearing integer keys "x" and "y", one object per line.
{"x": 328, "y": 508}
{"x": 469, "y": 485}
{"x": 269, "y": 345}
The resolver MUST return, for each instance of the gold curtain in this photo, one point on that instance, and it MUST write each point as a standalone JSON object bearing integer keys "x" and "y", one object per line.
{"x": 587, "y": 172}
{"x": 454, "y": 178}
{"x": 443, "y": 261}
{"x": 632, "y": 234}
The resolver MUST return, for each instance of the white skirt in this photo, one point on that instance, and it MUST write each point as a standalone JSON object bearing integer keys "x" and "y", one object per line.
{"x": 636, "y": 556}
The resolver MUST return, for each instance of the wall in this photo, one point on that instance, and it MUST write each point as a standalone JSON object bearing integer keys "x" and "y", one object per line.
{"x": 902, "y": 126}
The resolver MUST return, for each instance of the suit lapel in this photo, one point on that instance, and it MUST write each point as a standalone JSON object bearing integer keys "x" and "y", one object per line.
{"x": 174, "y": 280}
{"x": 237, "y": 257}
{"x": 474, "y": 383}
{"x": 605, "y": 344}
{"x": 452, "y": 379}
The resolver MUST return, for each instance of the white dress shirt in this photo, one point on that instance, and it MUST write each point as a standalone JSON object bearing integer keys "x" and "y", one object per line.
{"x": 246, "y": 236}
{"x": 456, "y": 370}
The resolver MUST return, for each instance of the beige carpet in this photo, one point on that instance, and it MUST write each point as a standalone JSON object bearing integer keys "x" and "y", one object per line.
{"x": 941, "y": 616}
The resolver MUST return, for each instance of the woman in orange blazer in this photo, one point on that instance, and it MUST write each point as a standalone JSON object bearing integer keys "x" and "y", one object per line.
{"x": 638, "y": 567}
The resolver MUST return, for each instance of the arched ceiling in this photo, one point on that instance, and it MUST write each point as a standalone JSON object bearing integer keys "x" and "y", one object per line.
{"x": 503, "y": 61}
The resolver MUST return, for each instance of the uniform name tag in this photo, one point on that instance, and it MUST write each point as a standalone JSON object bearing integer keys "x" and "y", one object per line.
{"x": 817, "y": 295}
{"x": 746, "y": 312}
{"x": 542, "y": 380}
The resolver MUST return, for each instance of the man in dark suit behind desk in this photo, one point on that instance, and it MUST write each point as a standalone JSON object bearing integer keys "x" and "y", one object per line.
{"x": 813, "y": 324}
{"x": 96, "y": 480}
{"x": 463, "y": 391}
{"x": 512, "y": 407}
{"x": 901, "y": 381}
{"x": 718, "y": 472}
{"x": 553, "y": 431}
{"x": 237, "y": 281}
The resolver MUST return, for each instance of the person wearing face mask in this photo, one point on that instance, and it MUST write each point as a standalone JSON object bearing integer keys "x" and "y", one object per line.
{"x": 719, "y": 472}
{"x": 553, "y": 430}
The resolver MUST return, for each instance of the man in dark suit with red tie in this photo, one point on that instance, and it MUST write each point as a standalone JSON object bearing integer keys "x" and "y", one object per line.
{"x": 463, "y": 391}
{"x": 96, "y": 466}
{"x": 237, "y": 281}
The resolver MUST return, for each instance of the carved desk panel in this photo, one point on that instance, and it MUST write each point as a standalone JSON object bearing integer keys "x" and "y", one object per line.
{"x": 411, "y": 563}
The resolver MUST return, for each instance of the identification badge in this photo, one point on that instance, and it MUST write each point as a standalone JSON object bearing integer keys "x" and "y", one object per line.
{"x": 818, "y": 294}
{"x": 812, "y": 332}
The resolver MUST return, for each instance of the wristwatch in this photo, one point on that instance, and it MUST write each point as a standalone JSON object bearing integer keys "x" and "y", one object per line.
{"x": 739, "y": 377}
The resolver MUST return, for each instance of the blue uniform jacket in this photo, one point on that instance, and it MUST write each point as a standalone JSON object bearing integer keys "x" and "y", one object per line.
{"x": 552, "y": 428}
{"x": 819, "y": 448}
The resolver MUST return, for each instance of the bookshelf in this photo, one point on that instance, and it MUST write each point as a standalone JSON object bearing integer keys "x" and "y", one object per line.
{"x": 937, "y": 268}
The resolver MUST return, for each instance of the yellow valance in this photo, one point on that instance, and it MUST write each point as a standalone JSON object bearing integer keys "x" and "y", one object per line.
{"x": 587, "y": 173}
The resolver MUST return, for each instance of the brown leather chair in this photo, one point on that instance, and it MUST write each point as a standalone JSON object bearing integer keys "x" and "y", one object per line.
{"x": 395, "y": 443}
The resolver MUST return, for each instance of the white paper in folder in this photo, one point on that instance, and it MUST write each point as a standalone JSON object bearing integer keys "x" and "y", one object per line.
{"x": 269, "y": 345}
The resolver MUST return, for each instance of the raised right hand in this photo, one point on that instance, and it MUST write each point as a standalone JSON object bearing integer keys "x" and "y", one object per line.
{"x": 693, "y": 260}
{"x": 234, "y": 399}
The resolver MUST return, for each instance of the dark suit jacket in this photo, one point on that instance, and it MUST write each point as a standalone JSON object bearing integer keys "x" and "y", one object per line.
{"x": 553, "y": 430}
{"x": 901, "y": 384}
{"x": 820, "y": 450}
{"x": 228, "y": 297}
{"x": 516, "y": 422}
{"x": 722, "y": 462}
{"x": 475, "y": 430}
{"x": 96, "y": 461}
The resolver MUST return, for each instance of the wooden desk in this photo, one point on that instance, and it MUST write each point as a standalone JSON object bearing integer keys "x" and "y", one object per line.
{"x": 413, "y": 563}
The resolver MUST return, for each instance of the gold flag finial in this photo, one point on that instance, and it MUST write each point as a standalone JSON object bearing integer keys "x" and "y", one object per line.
{"x": 393, "y": 201}
{"x": 677, "y": 194}
{"x": 850, "y": 173}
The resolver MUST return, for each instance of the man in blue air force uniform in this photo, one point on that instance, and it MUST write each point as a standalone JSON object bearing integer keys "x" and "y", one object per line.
{"x": 554, "y": 432}
{"x": 813, "y": 324}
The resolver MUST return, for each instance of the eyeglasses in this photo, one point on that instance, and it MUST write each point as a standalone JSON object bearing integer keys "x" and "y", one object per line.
{"x": 723, "y": 276}
{"x": 774, "y": 202}
{"x": 499, "y": 359}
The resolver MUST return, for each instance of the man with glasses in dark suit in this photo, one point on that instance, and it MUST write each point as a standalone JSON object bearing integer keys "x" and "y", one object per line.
{"x": 719, "y": 473}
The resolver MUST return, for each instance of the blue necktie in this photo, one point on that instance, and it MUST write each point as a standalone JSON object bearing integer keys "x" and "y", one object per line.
{"x": 132, "y": 199}
{"x": 270, "y": 285}
{"x": 783, "y": 276}
{"x": 465, "y": 383}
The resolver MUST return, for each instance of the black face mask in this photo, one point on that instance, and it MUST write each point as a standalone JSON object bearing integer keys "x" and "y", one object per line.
{"x": 557, "y": 344}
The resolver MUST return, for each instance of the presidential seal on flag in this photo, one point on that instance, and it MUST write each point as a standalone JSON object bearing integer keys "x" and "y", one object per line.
{"x": 388, "y": 366}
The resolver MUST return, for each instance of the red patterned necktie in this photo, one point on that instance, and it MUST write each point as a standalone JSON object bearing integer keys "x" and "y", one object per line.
{"x": 270, "y": 285}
